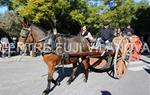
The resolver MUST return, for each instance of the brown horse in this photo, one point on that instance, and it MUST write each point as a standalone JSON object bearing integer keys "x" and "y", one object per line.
{"x": 32, "y": 38}
{"x": 64, "y": 46}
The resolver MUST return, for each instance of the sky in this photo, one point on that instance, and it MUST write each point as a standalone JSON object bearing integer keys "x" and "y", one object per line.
{"x": 136, "y": 0}
{"x": 4, "y": 8}
{"x": 140, "y": 0}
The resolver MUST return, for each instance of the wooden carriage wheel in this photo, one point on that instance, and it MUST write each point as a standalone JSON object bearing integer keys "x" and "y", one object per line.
{"x": 121, "y": 58}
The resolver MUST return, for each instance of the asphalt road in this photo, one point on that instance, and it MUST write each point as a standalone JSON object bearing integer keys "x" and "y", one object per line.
{"x": 28, "y": 77}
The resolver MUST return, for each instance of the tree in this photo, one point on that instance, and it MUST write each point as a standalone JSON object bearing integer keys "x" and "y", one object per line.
{"x": 56, "y": 12}
{"x": 42, "y": 10}
{"x": 60, "y": 15}
{"x": 10, "y": 23}
{"x": 4, "y": 2}
{"x": 122, "y": 13}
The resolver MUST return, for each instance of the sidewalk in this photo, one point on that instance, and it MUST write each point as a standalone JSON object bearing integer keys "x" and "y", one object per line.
{"x": 20, "y": 59}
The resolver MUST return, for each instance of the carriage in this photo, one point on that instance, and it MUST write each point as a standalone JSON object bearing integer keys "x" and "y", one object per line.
{"x": 112, "y": 58}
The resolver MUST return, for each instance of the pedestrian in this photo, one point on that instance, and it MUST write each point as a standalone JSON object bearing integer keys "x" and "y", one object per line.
{"x": 5, "y": 42}
{"x": 5, "y": 45}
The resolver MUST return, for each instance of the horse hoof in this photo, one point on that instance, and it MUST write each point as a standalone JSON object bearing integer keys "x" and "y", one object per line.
{"x": 58, "y": 83}
{"x": 85, "y": 80}
{"x": 69, "y": 82}
{"x": 46, "y": 92}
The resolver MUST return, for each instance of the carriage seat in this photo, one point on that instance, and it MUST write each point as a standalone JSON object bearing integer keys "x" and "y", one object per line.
{"x": 101, "y": 44}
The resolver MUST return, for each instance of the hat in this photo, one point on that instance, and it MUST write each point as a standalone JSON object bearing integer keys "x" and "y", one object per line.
{"x": 105, "y": 23}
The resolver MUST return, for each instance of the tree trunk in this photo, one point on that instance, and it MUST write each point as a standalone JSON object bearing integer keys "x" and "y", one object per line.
{"x": 54, "y": 30}
{"x": 54, "y": 27}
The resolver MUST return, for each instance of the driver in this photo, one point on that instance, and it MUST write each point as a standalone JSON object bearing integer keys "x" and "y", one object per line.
{"x": 105, "y": 35}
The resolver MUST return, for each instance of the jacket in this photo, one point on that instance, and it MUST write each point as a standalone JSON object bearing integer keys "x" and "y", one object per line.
{"x": 105, "y": 34}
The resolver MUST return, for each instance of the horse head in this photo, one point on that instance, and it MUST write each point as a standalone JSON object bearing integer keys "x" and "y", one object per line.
{"x": 31, "y": 35}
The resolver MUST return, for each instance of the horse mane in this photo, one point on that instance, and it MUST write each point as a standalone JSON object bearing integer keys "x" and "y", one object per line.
{"x": 40, "y": 31}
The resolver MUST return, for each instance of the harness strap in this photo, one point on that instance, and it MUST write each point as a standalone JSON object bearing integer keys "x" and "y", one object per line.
{"x": 45, "y": 53}
{"x": 63, "y": 53}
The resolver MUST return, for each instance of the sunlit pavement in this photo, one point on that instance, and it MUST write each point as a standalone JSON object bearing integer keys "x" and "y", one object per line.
{"x": 28, "y": 76}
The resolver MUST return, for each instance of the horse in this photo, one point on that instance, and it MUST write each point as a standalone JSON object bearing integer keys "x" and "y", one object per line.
{"x": 27, "y": 37}
{"x": 64, "y": 46}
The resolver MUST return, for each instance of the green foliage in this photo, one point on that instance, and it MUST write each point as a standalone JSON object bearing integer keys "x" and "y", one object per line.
{"x": 77, "y": 15}
{"x": 63, "y": 13}
{"x": 86, "y": 14}
{"x": 39, "y": 9}
{"x": 123, "y": 13}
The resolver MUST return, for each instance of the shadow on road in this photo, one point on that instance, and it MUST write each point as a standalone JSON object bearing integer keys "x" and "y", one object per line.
{"x": 145, "y": 61}
{"x": 105, "y": 92}
{"x": 64, "y": 72}
{"x": 146, "y": 53}
{"x": 147, "y": 69}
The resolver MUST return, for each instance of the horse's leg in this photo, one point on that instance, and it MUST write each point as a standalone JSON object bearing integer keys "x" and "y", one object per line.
{"x": 85, "y": 63}
{"x": 50, "y": 78}
{"x": 50, "y": 75}
{"x": 72, "y": 77}
{"x": 51, "y": 69}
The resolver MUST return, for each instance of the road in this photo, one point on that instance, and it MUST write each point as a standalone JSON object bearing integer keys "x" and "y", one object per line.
{"x": 28, "y": 77}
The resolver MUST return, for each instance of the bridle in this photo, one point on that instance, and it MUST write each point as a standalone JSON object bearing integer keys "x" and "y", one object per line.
{"x": 30, "y": 33}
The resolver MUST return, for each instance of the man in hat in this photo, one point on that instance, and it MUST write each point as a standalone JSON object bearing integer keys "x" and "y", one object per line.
{"x": 105, "y": 35}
